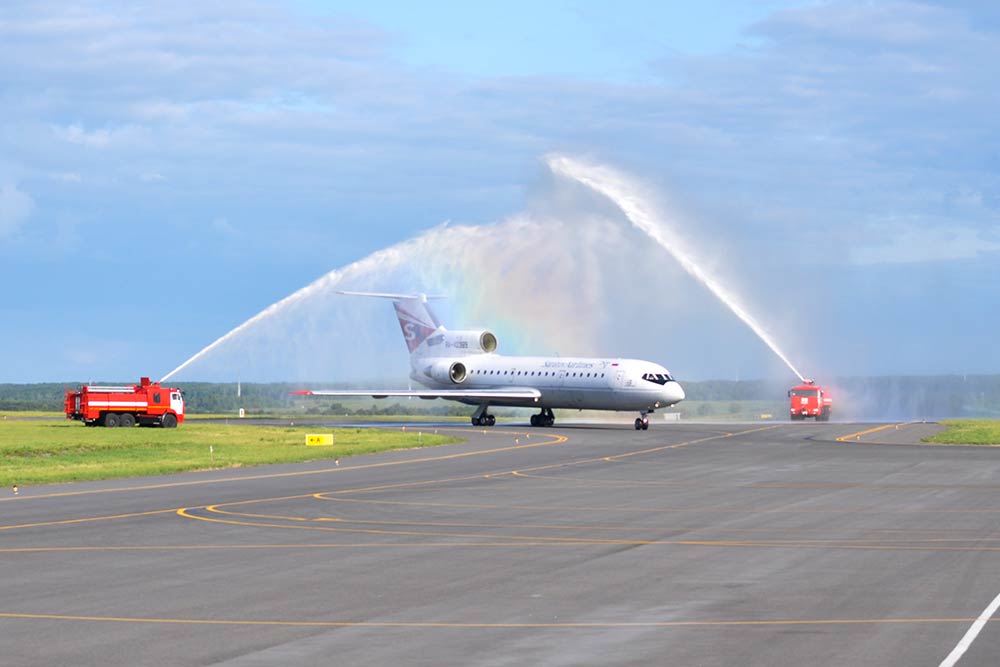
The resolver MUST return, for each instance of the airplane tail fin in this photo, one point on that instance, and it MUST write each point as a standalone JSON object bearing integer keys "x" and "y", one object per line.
{"x": 416, "y": 320}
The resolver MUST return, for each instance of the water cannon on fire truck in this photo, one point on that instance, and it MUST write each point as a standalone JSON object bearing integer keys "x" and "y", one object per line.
{"x": 146, "y": 404}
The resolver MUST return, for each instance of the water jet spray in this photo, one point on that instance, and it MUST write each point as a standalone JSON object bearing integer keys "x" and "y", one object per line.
{"x": 626, "y": 196}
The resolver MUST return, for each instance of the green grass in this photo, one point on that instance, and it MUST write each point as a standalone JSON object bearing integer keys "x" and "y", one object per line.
{"x": 44, "y": 452}
{"x": 968, "y": 432}
{"x": 21, "y": 414}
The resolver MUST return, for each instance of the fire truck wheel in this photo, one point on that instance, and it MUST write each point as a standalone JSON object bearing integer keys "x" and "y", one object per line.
{"x": 169, "y": 421}
{"x": 110, "y": 420}
{"x": 126, "y": 420}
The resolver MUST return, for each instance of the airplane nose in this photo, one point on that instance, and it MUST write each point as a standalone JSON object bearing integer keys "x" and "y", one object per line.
{"x": 673, "y": 392}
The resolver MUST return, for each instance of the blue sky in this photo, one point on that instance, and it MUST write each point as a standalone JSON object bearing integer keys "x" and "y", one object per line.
{"x": 167, "y": 172}
{"x": 587, "y": 40}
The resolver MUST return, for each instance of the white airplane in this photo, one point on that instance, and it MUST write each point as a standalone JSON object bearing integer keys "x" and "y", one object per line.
{"x": 464, "y": 366}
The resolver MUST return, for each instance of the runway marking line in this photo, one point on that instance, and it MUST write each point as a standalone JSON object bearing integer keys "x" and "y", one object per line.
{"x": 859, "y": 434}
{"x": 971, "y": 634}
{"x": 678, "y": 445}
{"x": 476, "y": 539}
{"x": 413, "y": 533}
{"x": 516, "y": 543}
{"x": 404, "y": 522}
{"x": 476, "y": 625}
{"x": 613, "y": 482}
{"x": 652, "y": 450}
{"x": 933, "y": 536}
{"x": 649, "y": 510}
{"x": 804, "y": 485}
{"x": 778, "y": 541}
{"x": 363, "y": 489}
{"x": 109, "y": 517}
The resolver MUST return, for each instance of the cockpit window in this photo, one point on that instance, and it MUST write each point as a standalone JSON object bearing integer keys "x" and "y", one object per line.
{"x": 657, "y": 378}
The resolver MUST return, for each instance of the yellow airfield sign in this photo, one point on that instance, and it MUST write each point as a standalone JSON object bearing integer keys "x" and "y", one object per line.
{"x": 319, "y": 439}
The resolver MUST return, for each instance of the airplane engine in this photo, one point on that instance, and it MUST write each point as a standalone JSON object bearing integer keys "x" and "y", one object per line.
{"x": 457, "y": 372}
{"x": 454, "y": 372}
{"x": 487, "y": 342}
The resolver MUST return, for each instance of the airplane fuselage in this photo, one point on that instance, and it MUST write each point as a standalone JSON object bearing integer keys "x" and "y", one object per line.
{"x": 564, "y": 382}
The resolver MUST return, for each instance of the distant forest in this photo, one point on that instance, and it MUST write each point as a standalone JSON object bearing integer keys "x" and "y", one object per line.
{"x": 876, "y": 398}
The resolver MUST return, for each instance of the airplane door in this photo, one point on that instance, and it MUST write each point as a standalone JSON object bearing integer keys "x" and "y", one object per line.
{"x": 619, "y": 378}
{"x": 561, "y": 380}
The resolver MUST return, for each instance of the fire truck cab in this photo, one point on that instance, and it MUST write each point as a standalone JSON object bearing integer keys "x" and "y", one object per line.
{"x": 810, "y": 400}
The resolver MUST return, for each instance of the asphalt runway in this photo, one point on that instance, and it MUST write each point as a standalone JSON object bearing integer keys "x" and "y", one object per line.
{"x": 688, "y": 544}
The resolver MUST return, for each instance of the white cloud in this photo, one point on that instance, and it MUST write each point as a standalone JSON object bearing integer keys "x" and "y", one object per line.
{"x": 161, "y": 110}
{"x": 898, "y": 24}
{"x": 102, "y": 138}
{"x": 15, "y": 208}
{"x": 909, "y": 244}
{"x": 75, "y": 134}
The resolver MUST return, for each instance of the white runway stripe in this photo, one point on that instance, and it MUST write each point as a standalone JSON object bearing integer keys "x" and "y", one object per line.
{"x": 970, "y": 635}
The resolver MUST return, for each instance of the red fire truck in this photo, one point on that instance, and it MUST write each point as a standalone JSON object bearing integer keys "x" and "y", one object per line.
{"x": 810, "y": 400}
{"x": 146, "y": 404}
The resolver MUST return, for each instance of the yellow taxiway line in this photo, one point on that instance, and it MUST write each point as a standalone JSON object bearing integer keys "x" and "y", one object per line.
{"x": 860, "y": 434}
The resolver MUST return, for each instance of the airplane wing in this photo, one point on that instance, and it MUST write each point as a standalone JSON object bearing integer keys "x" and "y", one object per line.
{"x": 473, "y": 394}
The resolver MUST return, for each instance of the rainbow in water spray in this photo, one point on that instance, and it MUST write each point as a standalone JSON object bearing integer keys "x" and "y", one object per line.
{"x": 627, "y": 196}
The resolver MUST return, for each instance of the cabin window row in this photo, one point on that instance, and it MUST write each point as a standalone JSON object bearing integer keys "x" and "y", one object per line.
{"x": 536, "y": 373}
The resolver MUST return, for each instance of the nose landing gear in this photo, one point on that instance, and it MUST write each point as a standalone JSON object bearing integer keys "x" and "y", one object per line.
{"x": 642, "y": 423}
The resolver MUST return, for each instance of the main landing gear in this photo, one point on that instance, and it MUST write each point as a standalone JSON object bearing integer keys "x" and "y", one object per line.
{"x": 642, "y": 423}
{"x": 543, "y": 418}
{"x": 481, "y": 418}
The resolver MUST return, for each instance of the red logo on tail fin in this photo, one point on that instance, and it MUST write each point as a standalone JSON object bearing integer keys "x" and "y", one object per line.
{"x": 415, "y": 323}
